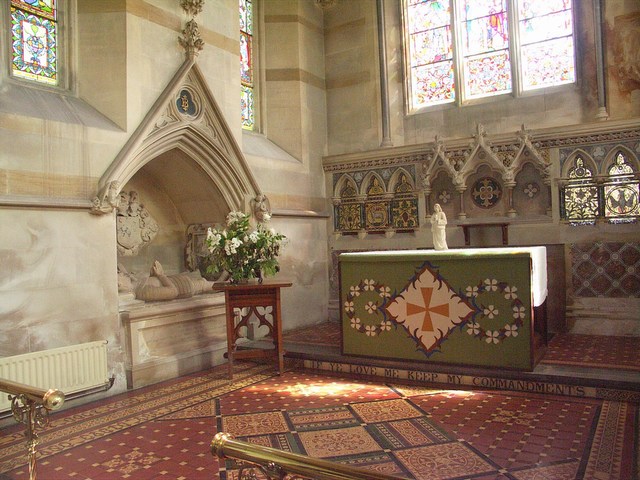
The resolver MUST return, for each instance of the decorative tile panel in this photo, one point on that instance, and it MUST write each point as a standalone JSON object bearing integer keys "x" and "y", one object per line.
{"x": 606, "y": 269}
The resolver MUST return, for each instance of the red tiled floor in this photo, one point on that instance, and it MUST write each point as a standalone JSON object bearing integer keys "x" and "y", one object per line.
{"x": 164, "y": 431}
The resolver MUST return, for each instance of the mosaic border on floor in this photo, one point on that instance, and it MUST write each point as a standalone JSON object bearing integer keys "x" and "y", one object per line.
{"x": 69, "y": 430}
{"x": 455, "y": 381}
{"x": 420, "y": 432}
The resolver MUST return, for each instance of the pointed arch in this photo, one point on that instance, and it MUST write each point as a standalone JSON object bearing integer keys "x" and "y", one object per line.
{"x": 185, "y": 117}
{"x": 372, "y": 185}
{"x": 401, "y": 182}
{"x": 611, "y": 158}
{"x": 346, "y": 185}
{"x": 621, "y": 186}
{"x": 586, "y": 159}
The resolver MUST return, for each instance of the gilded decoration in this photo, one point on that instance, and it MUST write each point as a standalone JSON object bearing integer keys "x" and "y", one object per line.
{"x": 374, "y": 201}
{"x": 377, "y": 215}
{"x": 185, "y": 103}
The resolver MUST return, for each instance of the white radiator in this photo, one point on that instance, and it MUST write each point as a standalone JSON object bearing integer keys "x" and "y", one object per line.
{"x": 70, "y": 369}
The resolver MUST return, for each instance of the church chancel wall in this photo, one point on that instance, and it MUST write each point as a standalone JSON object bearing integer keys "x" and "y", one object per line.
{"x": 151, "y": 106}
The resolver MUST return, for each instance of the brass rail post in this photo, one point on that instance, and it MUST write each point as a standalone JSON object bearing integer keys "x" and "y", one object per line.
{"x": 279, "y": 464}
{"x": 30, "y": 406}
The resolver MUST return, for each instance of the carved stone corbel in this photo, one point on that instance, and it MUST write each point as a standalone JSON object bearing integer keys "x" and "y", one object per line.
{"x": 107, "y": 199}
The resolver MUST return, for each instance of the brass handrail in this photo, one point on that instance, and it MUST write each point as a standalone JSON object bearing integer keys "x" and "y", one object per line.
{"x": 279, "y": 464}
{"x": 30, "y": 406}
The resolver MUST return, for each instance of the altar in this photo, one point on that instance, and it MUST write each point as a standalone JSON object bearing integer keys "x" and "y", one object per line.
{"x": 481, "y": 307}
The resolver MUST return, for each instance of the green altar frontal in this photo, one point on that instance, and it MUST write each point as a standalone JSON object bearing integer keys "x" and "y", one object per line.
{"x": 471, "y": 307}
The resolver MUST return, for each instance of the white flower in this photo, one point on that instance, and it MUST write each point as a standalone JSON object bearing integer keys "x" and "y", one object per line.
{"x": 231, "y": 246}
{"x": 518, "y": 312}
{"x": 492, "y": 336}
{"x": 491, "y": 311}
{"x": 510, "y": 293}
{"x": 474, "y": 328}
{"x": 472, "y": 291}
{"x": 511, "y": 330}
{"x": 233, "y": 217}
{"x": 354, "y": 291}
{"x": 266, "y": 217}
{"x": 385, "y": 292}
{"x": 253, "y": 237}
{"x": 492, "y": 284}
{"x": 369, "y": 285}
{"x": 348, "y": 307}
{"x": 370, "y": 307}
{"x": 355, "y": 323}
{"x": 385, "y": 325}
{"x": 370, "y": 330}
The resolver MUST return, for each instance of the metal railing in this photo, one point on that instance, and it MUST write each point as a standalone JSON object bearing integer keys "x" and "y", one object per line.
{"x": 278, "y": 464}
{"x": 31, "y": 406}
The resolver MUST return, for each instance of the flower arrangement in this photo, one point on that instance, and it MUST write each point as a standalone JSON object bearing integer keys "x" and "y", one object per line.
{"x": 242, "y": 252}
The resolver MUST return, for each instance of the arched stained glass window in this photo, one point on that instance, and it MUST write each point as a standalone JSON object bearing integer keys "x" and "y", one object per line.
{"x": 580, "y": 194}
{"x": 460, "y": 50}
{"x": 621, "y": 191}
{"x": 247, "y": 99}
{"x": 34, "y": 40}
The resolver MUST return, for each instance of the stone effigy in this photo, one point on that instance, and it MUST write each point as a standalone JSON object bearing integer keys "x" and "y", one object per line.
{"x": 161, "y": 287}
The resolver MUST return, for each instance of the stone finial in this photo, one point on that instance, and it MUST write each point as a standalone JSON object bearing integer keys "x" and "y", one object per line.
{"x": 192, "y": 7}
{"x": 190, "y": 39}
{"x": 326, "y": 4}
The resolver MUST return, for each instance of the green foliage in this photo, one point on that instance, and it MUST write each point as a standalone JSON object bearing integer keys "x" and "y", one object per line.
{"x": 241, "y": 251}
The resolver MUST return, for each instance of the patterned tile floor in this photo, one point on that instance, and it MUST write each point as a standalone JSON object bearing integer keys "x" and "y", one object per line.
{"x": 164, "y": 431}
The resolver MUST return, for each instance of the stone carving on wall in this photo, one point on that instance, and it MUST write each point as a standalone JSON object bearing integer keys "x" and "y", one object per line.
{"x": 107, "y": 199}
{"x": 261, "y": 208}
{"x": 135, "y": 227}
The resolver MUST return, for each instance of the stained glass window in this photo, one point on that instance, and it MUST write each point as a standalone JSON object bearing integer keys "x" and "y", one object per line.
{"x": 461, "y": 50}
{"x": 34, "y": 40}
{"x": 580, "y": 194}
{"x": 621, "y": 191}
{"x": 431, "y": 52}
{"x": 546, "y": 43}
{"x": 246, "y": 65}
{"x": 485, "y": 48}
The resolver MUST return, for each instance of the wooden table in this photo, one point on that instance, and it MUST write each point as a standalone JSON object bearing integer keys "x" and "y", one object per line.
{"x": 261, "y": 300}
{"x": 504, "y": 226}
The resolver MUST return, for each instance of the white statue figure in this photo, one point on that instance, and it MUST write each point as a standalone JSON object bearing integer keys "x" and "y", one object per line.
{"x": 439, "y": 228}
